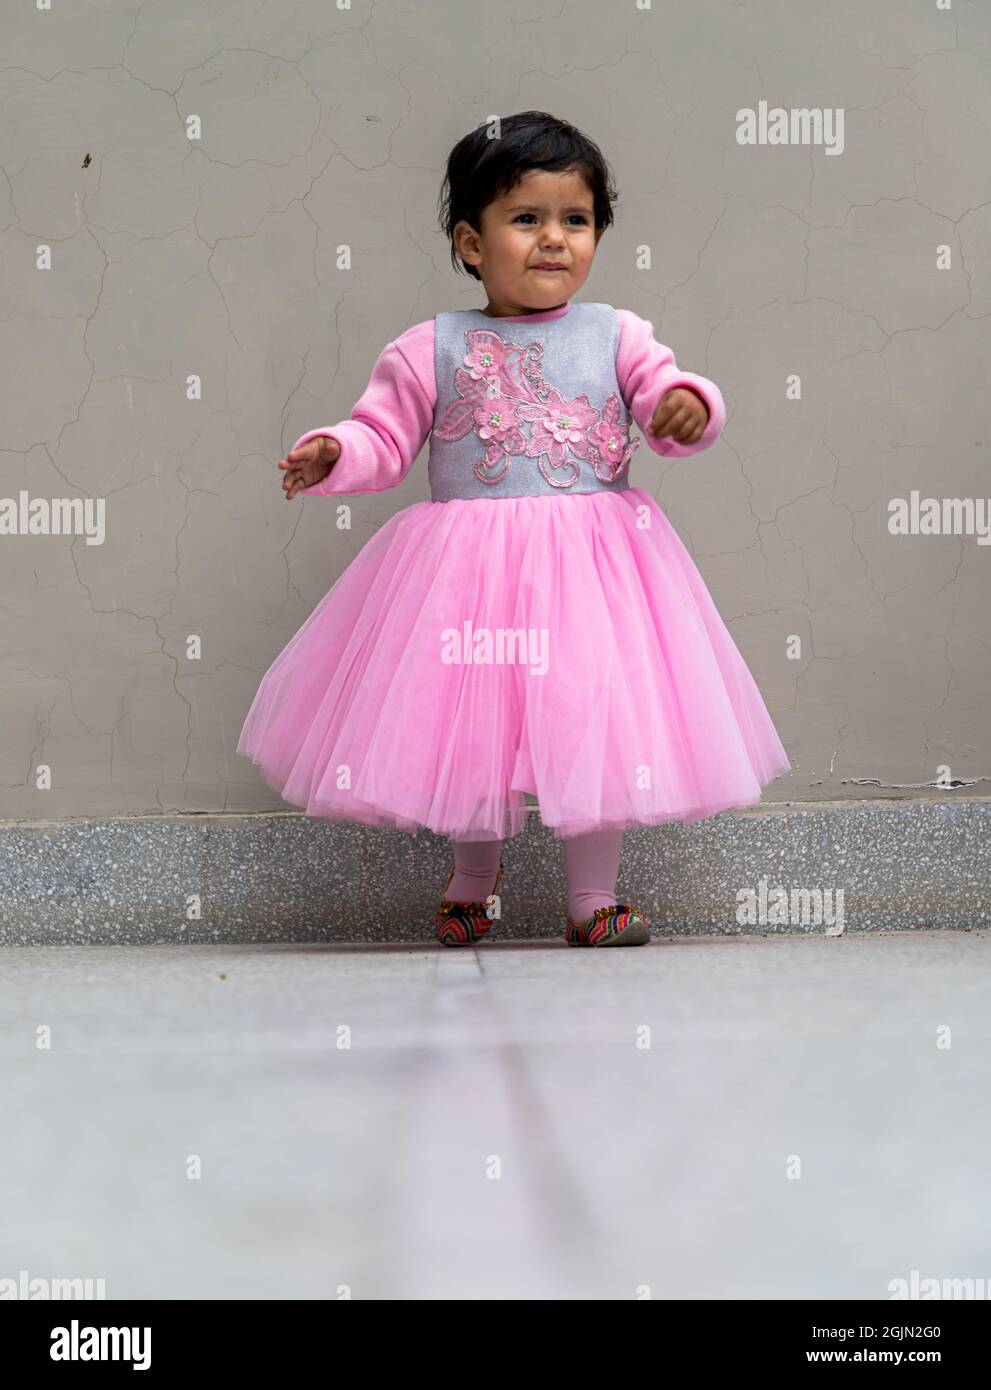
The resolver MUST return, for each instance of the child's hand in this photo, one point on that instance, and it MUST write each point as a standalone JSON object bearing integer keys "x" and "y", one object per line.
{"x": 680, "y": 414}
{"x": 309, "y": 464}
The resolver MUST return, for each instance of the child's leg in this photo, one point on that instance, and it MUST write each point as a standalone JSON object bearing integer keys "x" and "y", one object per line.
{"x": 592, "y": 864}
{"x": 476, "y": 865}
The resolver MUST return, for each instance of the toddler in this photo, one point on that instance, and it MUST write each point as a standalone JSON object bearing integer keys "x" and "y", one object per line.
{"x": 538, "y": 625}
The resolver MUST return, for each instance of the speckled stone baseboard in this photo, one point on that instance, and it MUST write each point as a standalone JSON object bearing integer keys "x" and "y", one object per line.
{"x": 780, "y": 867}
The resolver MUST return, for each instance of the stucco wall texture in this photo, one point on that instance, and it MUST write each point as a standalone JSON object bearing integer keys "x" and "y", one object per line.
{"x": 213, "y": 218}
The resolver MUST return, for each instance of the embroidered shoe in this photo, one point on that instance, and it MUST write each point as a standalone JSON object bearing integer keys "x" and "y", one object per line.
{"x": 620, "y": 924}
{"x": 461, "y": 924}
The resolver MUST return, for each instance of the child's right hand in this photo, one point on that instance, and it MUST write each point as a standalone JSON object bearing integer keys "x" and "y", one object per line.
{"x": 309, "y": 464}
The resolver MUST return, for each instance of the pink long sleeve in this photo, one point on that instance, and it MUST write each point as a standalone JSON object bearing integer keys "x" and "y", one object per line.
{"x": 646, "y": 370}
{"x": 391, "y": 422}
{"x": 389, "y": 425}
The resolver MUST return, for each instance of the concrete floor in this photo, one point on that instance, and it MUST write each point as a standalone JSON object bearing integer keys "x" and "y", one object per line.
{"x": 624, "y": 1171}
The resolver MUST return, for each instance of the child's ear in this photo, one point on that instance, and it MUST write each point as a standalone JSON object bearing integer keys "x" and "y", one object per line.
{"x": 465, "y": 240}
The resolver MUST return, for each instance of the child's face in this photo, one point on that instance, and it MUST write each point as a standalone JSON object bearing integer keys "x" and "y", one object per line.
{"x": 546, "y": 218}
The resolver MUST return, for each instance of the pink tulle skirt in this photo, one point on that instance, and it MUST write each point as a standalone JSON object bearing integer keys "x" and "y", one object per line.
{"x": 477, "y": 649}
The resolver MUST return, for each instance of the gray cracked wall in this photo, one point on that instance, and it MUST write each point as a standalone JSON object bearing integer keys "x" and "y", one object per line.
{"x": 216, "y": 258}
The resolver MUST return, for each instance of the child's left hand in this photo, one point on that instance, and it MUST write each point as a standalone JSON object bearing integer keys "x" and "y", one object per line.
{"x": 680, "y": 414}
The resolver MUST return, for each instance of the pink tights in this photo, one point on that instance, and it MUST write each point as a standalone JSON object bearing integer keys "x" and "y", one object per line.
{"x": 591, "y": 865}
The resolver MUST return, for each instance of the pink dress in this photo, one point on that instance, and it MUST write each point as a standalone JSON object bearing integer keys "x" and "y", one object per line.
{"x": 542, "y": 629}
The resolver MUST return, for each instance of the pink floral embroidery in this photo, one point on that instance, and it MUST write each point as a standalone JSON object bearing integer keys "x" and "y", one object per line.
{"x": 501, "y": 384}
{"x": 611, "y": 438}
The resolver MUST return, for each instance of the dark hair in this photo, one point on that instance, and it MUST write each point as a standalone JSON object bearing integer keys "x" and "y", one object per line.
{"x": 482, "y": 167}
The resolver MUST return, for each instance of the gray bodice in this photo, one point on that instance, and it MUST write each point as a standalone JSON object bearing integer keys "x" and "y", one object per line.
{"x": 528, "y": 409}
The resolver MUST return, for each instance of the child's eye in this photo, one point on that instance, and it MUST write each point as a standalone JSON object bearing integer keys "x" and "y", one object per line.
{"x": 581, "y": 216}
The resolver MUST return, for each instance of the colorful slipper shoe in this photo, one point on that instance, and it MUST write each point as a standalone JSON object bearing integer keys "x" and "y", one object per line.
{"x": 617, "y": 925}
{"x": 461, "y": 924}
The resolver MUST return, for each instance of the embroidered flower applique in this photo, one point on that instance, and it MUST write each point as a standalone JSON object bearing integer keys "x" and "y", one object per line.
{"x": 500, "y": 385}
